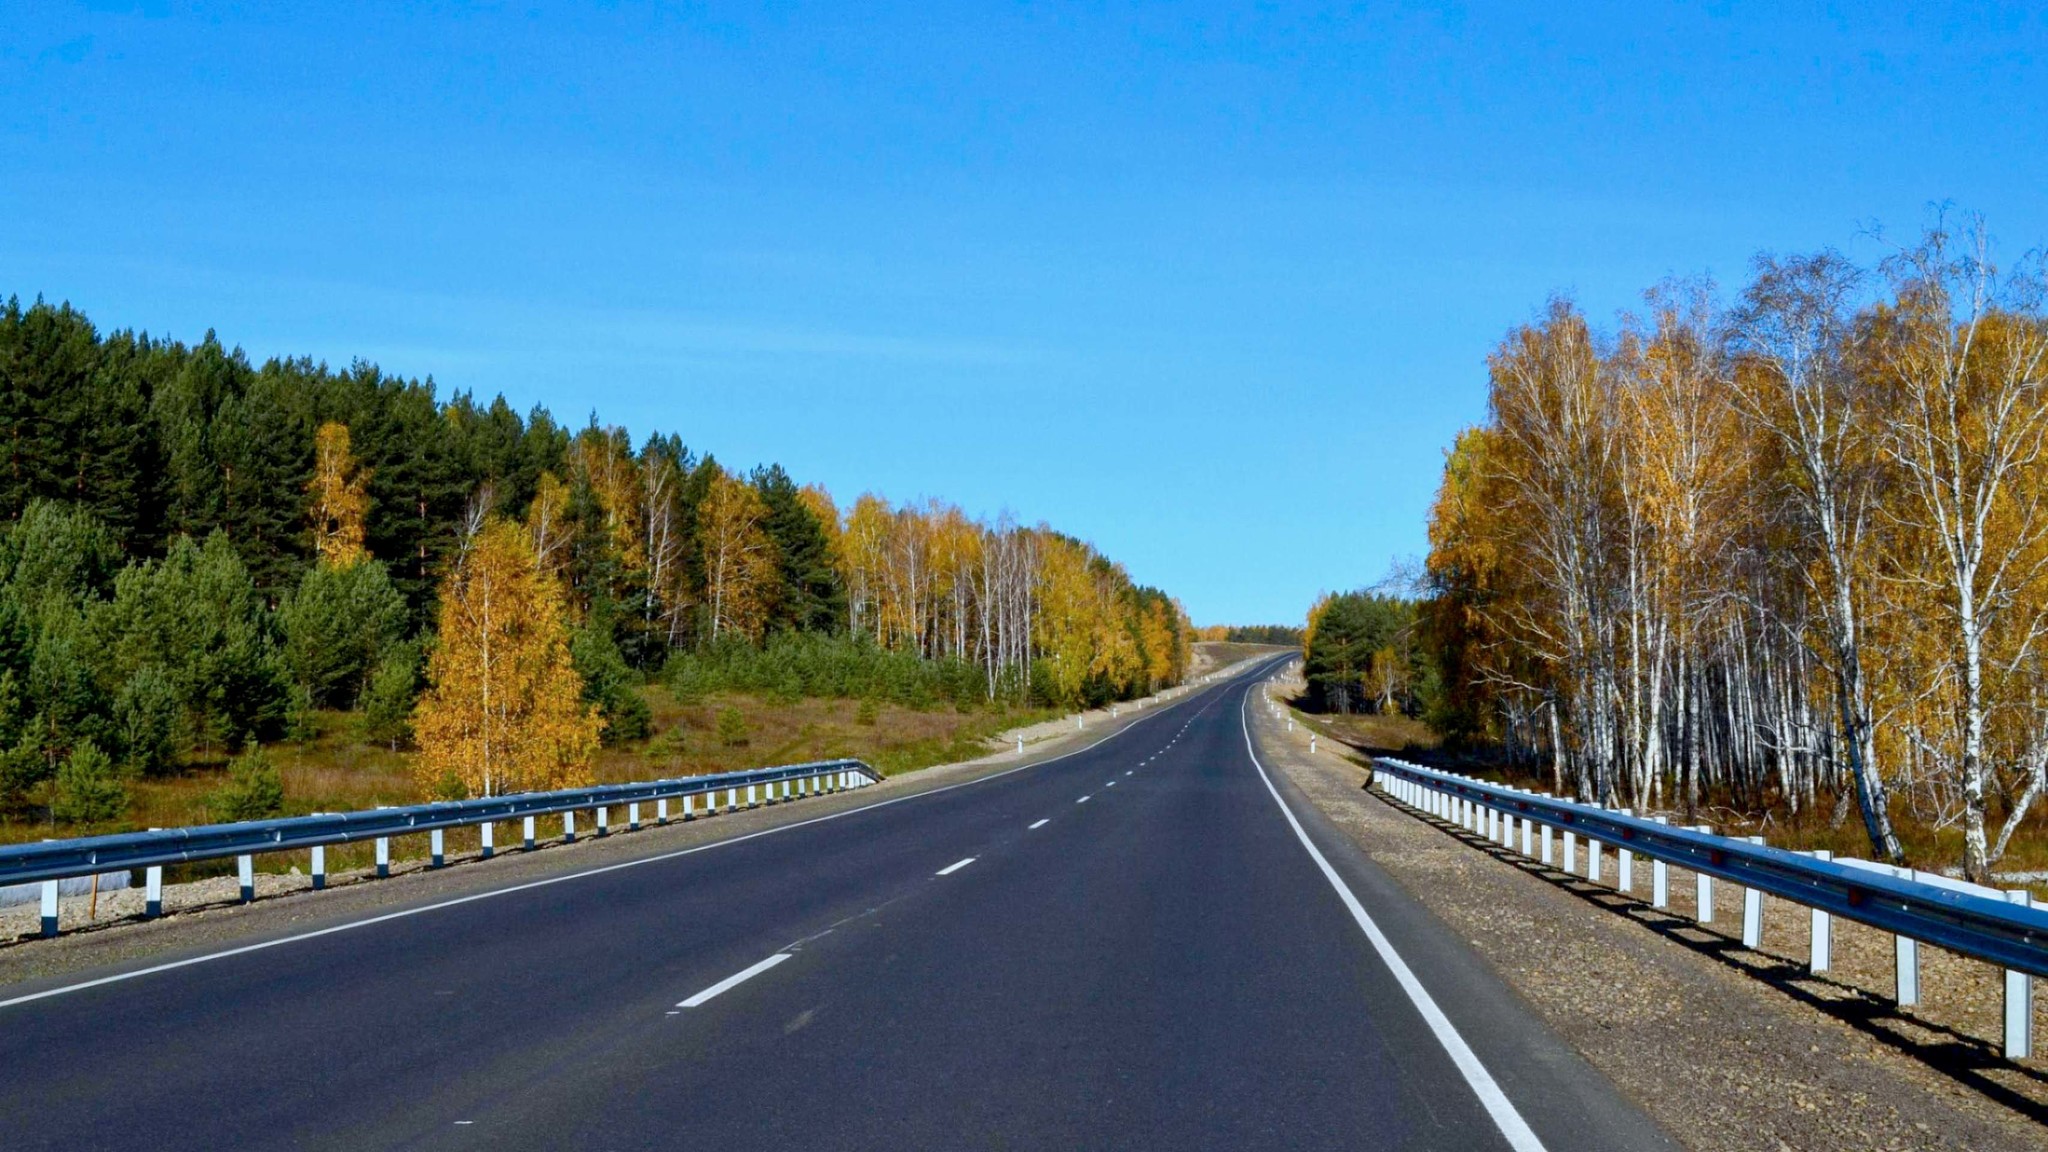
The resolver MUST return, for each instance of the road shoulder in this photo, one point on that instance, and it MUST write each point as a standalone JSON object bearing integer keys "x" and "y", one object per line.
{"x": 1719, "y": 1059}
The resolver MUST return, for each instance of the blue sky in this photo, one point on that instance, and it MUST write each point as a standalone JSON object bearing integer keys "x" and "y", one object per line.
{"x": 1211, "y": 286}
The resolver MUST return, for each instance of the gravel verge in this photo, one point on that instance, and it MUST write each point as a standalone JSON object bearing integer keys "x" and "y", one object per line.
{"x": 1725, "y": 1047}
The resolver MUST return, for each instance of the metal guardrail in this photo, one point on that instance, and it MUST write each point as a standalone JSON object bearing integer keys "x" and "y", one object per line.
{"x": 2001, "y": 928}
{"x": 54, "y": 860}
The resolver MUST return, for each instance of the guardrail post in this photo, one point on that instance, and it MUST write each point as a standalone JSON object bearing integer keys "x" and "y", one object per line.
{"x": 319, "y": 866}
{"x": 1660, "y": 877}
{"x": 1625, "y": 862}
{"x": 436, "y": 842}
{"x": 732, "y": 799}
{"x": 2019, "y": 999}
{"x": 568, "y": 827}
{"x": 690, "y": 807}
{"x": 245, "y": 870}
{"x": 1592, "y": 860}
{"x": 751, "y": 801}
{"x": 527, "y": 834}
{"x": 632, "y": 817}
{"x": 383, "y": 857}
{"x": 1753, "y": 911}
{"x": 1820, "y": 949}
{"x": 1703, "y": 886}
{"x": 49, "y": 908}
{"x": 153, "y": 889}
{"x": 1906, "y": 960}
{"x": 1527, "y": 833}
{"x": 661, "y": 811}
{"x": 1548, "y": 854}
{"x": 1571, "y": 851}
{"x": 487, "y": 838}
{"x": 603, "y": 821}
{"x": 786, "y": 789}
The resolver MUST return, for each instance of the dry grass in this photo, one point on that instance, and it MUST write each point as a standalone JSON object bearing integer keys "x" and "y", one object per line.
{"x": 335, "y": 771}
{"x": 1210, "y": 655}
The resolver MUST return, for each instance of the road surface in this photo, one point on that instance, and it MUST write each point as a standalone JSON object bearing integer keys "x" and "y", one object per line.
{"x": 1142, "y": 945}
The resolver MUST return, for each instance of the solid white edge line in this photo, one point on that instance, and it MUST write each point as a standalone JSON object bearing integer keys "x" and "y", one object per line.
{"x": 949, "y": 869}
{"x": 1040, "y": 824}
{"x": 1505, "y": 1117}
{"x": 734, "y": 980}
{"x": 189, "y": 961}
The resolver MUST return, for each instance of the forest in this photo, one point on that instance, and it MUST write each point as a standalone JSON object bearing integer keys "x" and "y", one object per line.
{"x": 200, "y": 556}
{"x": 1784, "y": 553}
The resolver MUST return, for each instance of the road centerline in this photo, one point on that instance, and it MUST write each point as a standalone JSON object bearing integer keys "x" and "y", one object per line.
{"x": 1040, "y": 824}
{"x": 957, "y": 865}
{"x": 733, "y": 981}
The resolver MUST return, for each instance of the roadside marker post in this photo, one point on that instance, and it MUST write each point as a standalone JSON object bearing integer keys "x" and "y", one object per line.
{"x": 153, "y": 889}
{"x": 527, "y": 830}
{"x": 568, "y": 827}
{"x": 435, "y": 849}
{"x": 245, "y": 871}
{"x": 487, "y": 839}
{"x": 49, "y": 908}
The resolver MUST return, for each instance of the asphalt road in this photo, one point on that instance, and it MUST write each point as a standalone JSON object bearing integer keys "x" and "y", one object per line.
{"x": 1133, "y": 947}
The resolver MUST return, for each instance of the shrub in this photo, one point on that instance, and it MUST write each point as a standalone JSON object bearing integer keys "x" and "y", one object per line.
{"x": 732, "y": 727}
{"x": 253, "y": 790}
{"x": 798, "y": 665}
{"x": 868, "y": 713}
{"x": 89, "y": 790}
{"x": 388, "y": 701}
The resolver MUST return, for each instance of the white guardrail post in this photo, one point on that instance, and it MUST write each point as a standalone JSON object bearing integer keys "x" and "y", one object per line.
{"x": 487, "y": 839}
{"x": 1753, "y": 911}
{"x": 1820, "y": 948}
{"x": 436, "y": 849}
{"x": 2019, "y": 999}
{"x": 526, "y": 834}
{"x": 1912, "y": 906}
{"x": 245, "y": 872}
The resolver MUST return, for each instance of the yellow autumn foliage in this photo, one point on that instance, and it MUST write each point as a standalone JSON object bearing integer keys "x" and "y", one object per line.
{"x": 503, "y": 711}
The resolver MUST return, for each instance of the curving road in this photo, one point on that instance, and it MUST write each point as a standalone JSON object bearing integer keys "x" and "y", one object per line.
{"x": 1151, "y": 943}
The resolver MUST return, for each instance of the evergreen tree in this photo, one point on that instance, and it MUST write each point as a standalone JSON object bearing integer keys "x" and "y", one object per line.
{"x": 88, "y": 791}
{"x": 809, "y": 596}
{"x": 196, "y": 615}
{"x": 336, "y": 627}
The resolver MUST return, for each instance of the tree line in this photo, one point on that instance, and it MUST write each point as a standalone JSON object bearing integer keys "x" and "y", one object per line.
{"x": 197, "y": 552}
{"x": 1786, "y": 549}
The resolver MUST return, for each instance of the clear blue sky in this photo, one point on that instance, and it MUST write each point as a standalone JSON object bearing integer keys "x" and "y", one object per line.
{"x": 1209, "y": 287}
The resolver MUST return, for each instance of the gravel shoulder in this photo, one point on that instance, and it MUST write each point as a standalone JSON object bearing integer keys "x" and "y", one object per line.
{"x": 205, "y": 915}
{"x": 1725, "y": 1047}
